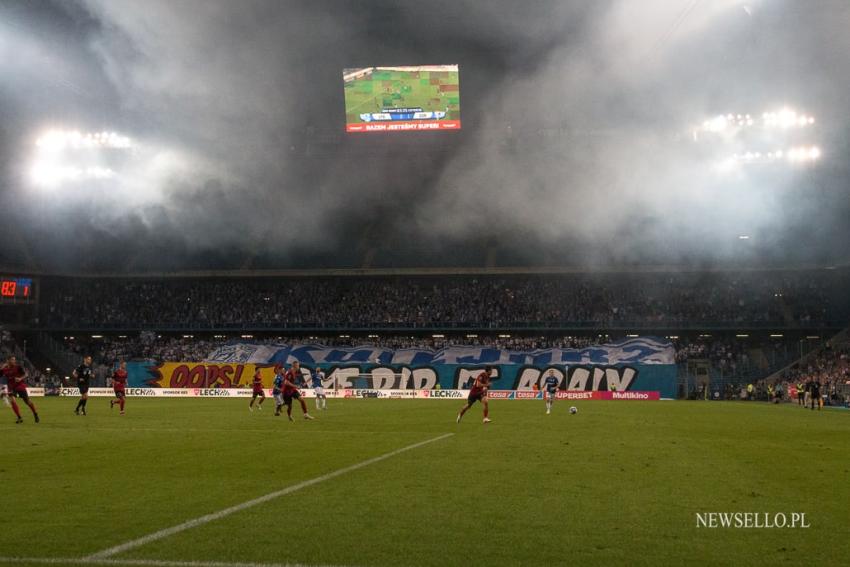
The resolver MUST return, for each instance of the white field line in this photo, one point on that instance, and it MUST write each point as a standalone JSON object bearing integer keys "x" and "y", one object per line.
{"x": 255, "y": 502}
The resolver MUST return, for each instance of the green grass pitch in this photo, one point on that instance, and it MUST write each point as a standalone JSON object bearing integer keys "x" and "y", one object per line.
{"x": 429, "y": 90}
{"x": 619, "y": 483}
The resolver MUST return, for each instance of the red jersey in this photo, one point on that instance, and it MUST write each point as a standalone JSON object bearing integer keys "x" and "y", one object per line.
{"x": 482, "y": 382}
{"x": 292, "y": 376}
{"x": 258, "y": 382}
{"x": 12, "y": 373}
{"x": 119, "y": 379}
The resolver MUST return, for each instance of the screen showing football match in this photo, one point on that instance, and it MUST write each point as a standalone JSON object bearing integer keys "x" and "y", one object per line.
{"x": 386, "y": 99}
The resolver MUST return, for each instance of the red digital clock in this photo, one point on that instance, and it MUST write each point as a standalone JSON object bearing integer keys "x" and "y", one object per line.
{"x": 15, "y": 290}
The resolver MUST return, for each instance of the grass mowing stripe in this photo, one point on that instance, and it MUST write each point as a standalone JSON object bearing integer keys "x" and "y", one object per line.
{"x": 256, "y": 501}
{"x": 230, "y": 430}
{"x": 143, "y": 562}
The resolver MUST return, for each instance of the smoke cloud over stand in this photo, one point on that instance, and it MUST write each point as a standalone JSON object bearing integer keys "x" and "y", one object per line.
{"x": 576, "y": 144}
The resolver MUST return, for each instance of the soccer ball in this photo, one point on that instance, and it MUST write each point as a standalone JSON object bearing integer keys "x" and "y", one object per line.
{"x": 573, "y": 409}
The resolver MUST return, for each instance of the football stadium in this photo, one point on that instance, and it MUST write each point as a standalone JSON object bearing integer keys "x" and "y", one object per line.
{"x": 266, "y": 301}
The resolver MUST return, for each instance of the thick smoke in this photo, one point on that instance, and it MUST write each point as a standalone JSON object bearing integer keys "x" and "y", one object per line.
{"x": 612, "y": 163}
{"x": 576, "y": 135}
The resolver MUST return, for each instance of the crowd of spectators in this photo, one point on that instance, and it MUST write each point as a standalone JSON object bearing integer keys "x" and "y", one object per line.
{"x": 145, "y": 346}
{"x": 737, "y": 359}
{"x": 496, "y": 302}
{"x": 829, "y": 367}
{"x": 721, "y": 352}
{"x": 36, "y": 378}
{"x": 108, "y": 350}
{"x": 732, "y": 362}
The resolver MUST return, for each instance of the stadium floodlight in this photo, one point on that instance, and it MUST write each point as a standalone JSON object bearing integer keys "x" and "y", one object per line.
{"x": 786, "y": 118}
{"x": 804, "y": 154}
{"x": 70, "y": 156}
{"x": 730, "y": 124}
{"x": 795, "y": 155}
{"x": 74, "y": 139}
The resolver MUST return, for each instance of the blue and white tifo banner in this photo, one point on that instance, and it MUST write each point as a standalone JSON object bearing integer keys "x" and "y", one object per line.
{"x": 644, "y": 350}
{"x": 644, "y": 364}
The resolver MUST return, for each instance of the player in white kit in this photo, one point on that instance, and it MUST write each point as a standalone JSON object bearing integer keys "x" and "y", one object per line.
{"x": 319, "y": 389}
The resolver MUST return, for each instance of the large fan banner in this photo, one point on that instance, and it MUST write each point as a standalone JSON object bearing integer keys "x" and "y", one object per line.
{"x": 643, "y": 364}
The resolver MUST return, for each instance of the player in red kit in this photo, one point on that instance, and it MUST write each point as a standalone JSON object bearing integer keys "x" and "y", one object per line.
{"x": 119, "y": 384}
{"x": 17, "y": 387}
{"x": 257, "y": 385}
{"x": 290, "y": 390}
{"x": 478, "y": 393}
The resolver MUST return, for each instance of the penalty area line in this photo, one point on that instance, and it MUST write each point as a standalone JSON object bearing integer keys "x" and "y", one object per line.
{"x": 143, "y": 562}
{"x": 144, "y": 540}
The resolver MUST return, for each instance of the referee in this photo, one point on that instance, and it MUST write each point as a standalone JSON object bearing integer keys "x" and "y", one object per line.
{"x": 83, "y": 375}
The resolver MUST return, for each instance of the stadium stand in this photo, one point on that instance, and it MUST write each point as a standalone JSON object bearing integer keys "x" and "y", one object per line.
{"x": 146, "y": 346}
{"x": 9, "y": 347}
{"x": 733, "y": 361}
{"x": 568, "y": 301}
{"x": 742, "y": 326}
{"x": 830, "y": 366}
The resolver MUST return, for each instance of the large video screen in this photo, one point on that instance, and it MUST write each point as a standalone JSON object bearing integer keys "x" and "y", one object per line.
{"x": 395, "y": 99}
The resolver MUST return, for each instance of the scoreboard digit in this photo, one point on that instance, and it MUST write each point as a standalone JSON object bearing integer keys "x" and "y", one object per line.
{"x": 8, "y": 287}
